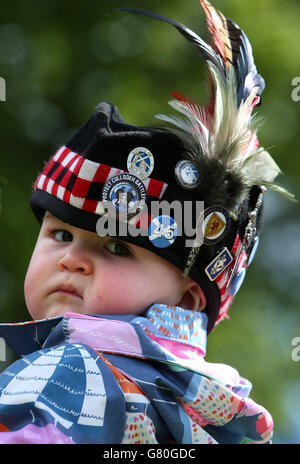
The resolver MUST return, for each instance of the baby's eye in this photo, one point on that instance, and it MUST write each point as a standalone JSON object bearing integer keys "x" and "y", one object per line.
{"x": 62, "y": 235}
{"x": 117, "y": 248}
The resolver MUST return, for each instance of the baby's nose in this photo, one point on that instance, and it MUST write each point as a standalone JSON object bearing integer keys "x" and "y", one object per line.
{"x": 74, "y": 261}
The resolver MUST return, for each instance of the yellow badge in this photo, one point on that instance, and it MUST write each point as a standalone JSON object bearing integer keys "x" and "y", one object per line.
{"x": 214, "y": 226}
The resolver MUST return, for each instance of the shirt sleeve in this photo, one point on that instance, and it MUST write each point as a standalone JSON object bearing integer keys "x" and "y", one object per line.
{"x": 65, "y": 394}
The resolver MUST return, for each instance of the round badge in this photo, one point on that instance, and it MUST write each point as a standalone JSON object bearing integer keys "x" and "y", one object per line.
{"x": 213, "y": 225}
{"x": 125, "y": 193}
{"x": 162, "y": 231}
{"x": 140, "y": 162}
{"x": 187, "y": 174}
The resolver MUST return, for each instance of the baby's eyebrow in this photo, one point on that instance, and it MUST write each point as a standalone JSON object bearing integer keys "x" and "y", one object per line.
{"x": 50, "y": 218}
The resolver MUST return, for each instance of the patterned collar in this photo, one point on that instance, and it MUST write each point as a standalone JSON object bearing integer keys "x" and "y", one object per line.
{"x": 176, "y": 332}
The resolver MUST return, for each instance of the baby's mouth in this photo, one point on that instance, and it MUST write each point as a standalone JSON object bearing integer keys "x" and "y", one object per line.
{"x": 67, "y": 290}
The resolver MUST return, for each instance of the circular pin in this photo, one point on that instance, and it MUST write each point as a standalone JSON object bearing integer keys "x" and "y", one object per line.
{"x": 237, "y": 282}
{"x": 187, "y": 174}
{"x": 140, "y": 162}
{"x": 212, "y": 225}
{"x": 124, "y": 193}
{"x": 162, "y": 231}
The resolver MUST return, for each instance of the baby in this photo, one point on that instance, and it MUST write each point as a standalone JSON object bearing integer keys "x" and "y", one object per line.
{"x": 75, "y": 270}
{"x": 115, "y": 351}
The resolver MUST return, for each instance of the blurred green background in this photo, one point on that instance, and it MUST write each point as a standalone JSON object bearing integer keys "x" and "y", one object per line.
{"x": 60, "y": 59}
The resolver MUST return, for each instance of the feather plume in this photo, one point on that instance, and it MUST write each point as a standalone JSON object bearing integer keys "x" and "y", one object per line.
{"x": 232, "y": 44}
{"x": 221, "y": 138}
{"x": 217, "y": 24}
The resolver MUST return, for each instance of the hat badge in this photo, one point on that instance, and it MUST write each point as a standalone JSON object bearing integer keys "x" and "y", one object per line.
{"x": 213, "y": 225}
{"x": 163, "y": 231}
{"x": 125, "y": 193}
{"x": 140, "y": 162}
{"x": 186, "y": 174}
{"x": 219, "y": 264}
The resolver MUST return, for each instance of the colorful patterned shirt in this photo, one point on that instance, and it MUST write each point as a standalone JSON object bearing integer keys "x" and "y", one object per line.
{"x": 123, "y": 379}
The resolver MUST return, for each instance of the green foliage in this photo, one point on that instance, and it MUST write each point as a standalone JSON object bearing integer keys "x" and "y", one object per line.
{"x": 60, "y": 59}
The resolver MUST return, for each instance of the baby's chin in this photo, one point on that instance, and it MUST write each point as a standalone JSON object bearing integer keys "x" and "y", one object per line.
{"x": 56, "y": 310}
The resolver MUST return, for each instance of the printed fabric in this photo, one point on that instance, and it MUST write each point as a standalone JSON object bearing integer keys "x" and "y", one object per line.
{"x": 123, "y": 379}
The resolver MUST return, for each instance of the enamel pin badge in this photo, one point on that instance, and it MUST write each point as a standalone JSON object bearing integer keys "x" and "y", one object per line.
{"x": 162, "y": 231}
{"x": 140, "y": 162}
{"x": 218, "y": 264}
{"x": 186, "y": 174}
{"x": 125, "y": 192}
{"x": 212, "y": 225}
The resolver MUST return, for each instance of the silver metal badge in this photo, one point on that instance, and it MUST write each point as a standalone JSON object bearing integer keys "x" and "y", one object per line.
{"x": 187, "y": 174}
{"x": 140, "y": 162}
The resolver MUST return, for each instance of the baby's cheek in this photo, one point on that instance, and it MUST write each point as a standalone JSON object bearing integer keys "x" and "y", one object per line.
{"x": 32, "y": 284}
{"x": 115, "y": 302}
{"x": 118, "y": 296}
{"x": 33, "y": 273}
{"x": 124, "y": 289}
{"x": 28, "y": 283}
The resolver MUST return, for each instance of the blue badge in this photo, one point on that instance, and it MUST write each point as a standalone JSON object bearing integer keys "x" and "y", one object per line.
{"x": 140, "y": 162}
{"x": 219, "y": 264}
{"x": 125, "y": 193}
{"x": 187, "y": 174}
{"x": 237, "y": 282}
{"x": 162, "y": 231}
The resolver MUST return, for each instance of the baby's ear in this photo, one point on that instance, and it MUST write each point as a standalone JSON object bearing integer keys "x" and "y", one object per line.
{"x": 192, "y": 297}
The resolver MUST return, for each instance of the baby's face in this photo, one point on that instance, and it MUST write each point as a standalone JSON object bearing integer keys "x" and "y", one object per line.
{"x": 78, "y": 271}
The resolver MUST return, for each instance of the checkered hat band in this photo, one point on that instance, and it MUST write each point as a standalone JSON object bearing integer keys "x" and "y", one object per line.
{"x": 223, "y": 279}
{"x": 77, "y": 181}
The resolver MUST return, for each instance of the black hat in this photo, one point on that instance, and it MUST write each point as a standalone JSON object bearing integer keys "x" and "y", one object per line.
{"x": 72, "y": 183}
{"x": 212, "y": 156}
